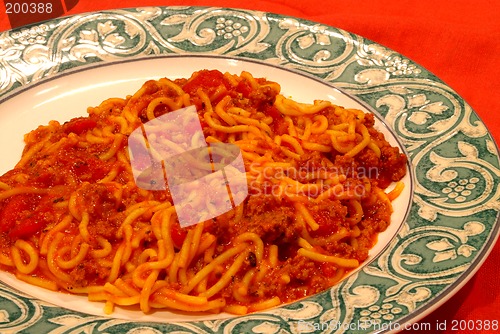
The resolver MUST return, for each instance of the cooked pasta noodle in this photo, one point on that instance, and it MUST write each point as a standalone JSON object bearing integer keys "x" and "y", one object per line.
{"x": 73, "y": 218}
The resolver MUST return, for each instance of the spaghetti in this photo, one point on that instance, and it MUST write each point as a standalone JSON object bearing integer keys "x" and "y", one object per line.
{"x": 73, "y": 219}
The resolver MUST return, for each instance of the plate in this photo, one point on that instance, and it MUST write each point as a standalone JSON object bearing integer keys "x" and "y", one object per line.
{"x": 447, "y": 234}
{"x": 64, "y": 96}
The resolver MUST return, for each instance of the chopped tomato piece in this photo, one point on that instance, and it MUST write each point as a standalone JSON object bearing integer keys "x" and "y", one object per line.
{"x": 327, "y": 224}
{"x": 27, "y": 227}
{"x": 279, "y": 125}
{"x": 79, "y": 125}
{"x": 17, "y": 218}
{"x": 178, "y": 235}
{"x": 204, "y": 79}
{"x": 244, "y": 88}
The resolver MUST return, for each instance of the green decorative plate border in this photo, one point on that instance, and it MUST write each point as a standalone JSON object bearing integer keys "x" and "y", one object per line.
{"x": 453, "y": 222}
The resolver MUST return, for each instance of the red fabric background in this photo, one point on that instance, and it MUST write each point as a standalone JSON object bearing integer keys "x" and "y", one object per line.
{"x": 457, "y": 40}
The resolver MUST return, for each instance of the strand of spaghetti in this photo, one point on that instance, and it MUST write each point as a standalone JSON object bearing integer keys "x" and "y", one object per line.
{"x": 304, "y": 243}
{"x": 181, "y": 297}
{"x": 127, "y": 251}
{"x": 72, "y": 207}
{"x": 150, "y": 110}
{"x": 211, "y": 266}
{"x": 236, "y": 309}
{"x": 160, "y": 301}
{"x": 114, "y": 290}
{"x": 73, "y": 248}
{"x": 396, "y": 191}
{"x": 241, "y": 290}
{"x": 125, "y": 301}
{"x": 239, "y": 111}
{"x": 300, "y": 207}
{"x": 47, "y": 237}
{"x": 184, "y": 253}
{"x": 105, "y": 250}
{"x": 93, "y": 139}
{"x": 31, "y": 252}
{"x": 208, "y": 240}
{"x": 172, "y": 85}
{"x": 131, "y": 217}
{"x": 275, "y": 301}
{"x": 352, "y": 126}
{"x": 383, "y": 196}
{"x": 146, "y": 291}
{"x": 290, "y": 154}
{"x": 126, "y": 287}
{"x": 337, "y": 277}
{"x": 72, "y": 263}
{"x": 349, "y": 138}
{"x": 227, "y": 277}
{"x": 113, "y": 173}
{"x": 320, "y": 124}
{"x": 232, "y": 79}
{"x": 292, "y": 130}
{"x": 140, "y": 235}
{"x": 256, "y": 241}
{"x": 141, "y": 205}
{"x": 97, "y": 296}
{"x": 147, "y": 254}
{"x": 249, "y": 78}
{"x": 255, "y": 122}
{"x": 355, "y": 231}
{"x": 4, "y": 186}
{"x": 219, "y": 110}
{"x": 38, "y": 281}
{"x": 202, "y": 286}
{"x": 339, "y": 147}
{"x": 316, "y": 147}
{"x": 374, "y": 147}
{"x": 122, "y": 122}
{"x": 106, "y": 105}
{"x": 307, "y": 128}
{"x": 292, "y": 108}
{"x": 117, "y": 142}
{"x": 366, "y": 140}
{"x": 341, "y": 262}
{"x": 185, "y": 99}
{"x": 230, "y": 129}
{"x": 205, "y": 100}
{"x": 182, "y": 276}
{"x": 173, "y": 269}
{"x": 285, "y": 278}
{"x": 22, "y": 190}
{"x": 163, "y": 262}
{"x": 127, "y": 110}
{"x": 337, "y": 127}
{"x": 219, "y": 92}
{"x": 195, "y": 244}
{"x": 358, "y": 212}
{"x": 341, "y": 234}
{"x": 273, "y": 255}
{"x": 293, "y": 142}
{"x": 115, "y": 266}
{"x": 51, "y": 260}
{"x": 83, "y": 226}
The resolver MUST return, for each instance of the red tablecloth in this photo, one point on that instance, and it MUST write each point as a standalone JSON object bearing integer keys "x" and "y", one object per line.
{"x": 458, "y": 40}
